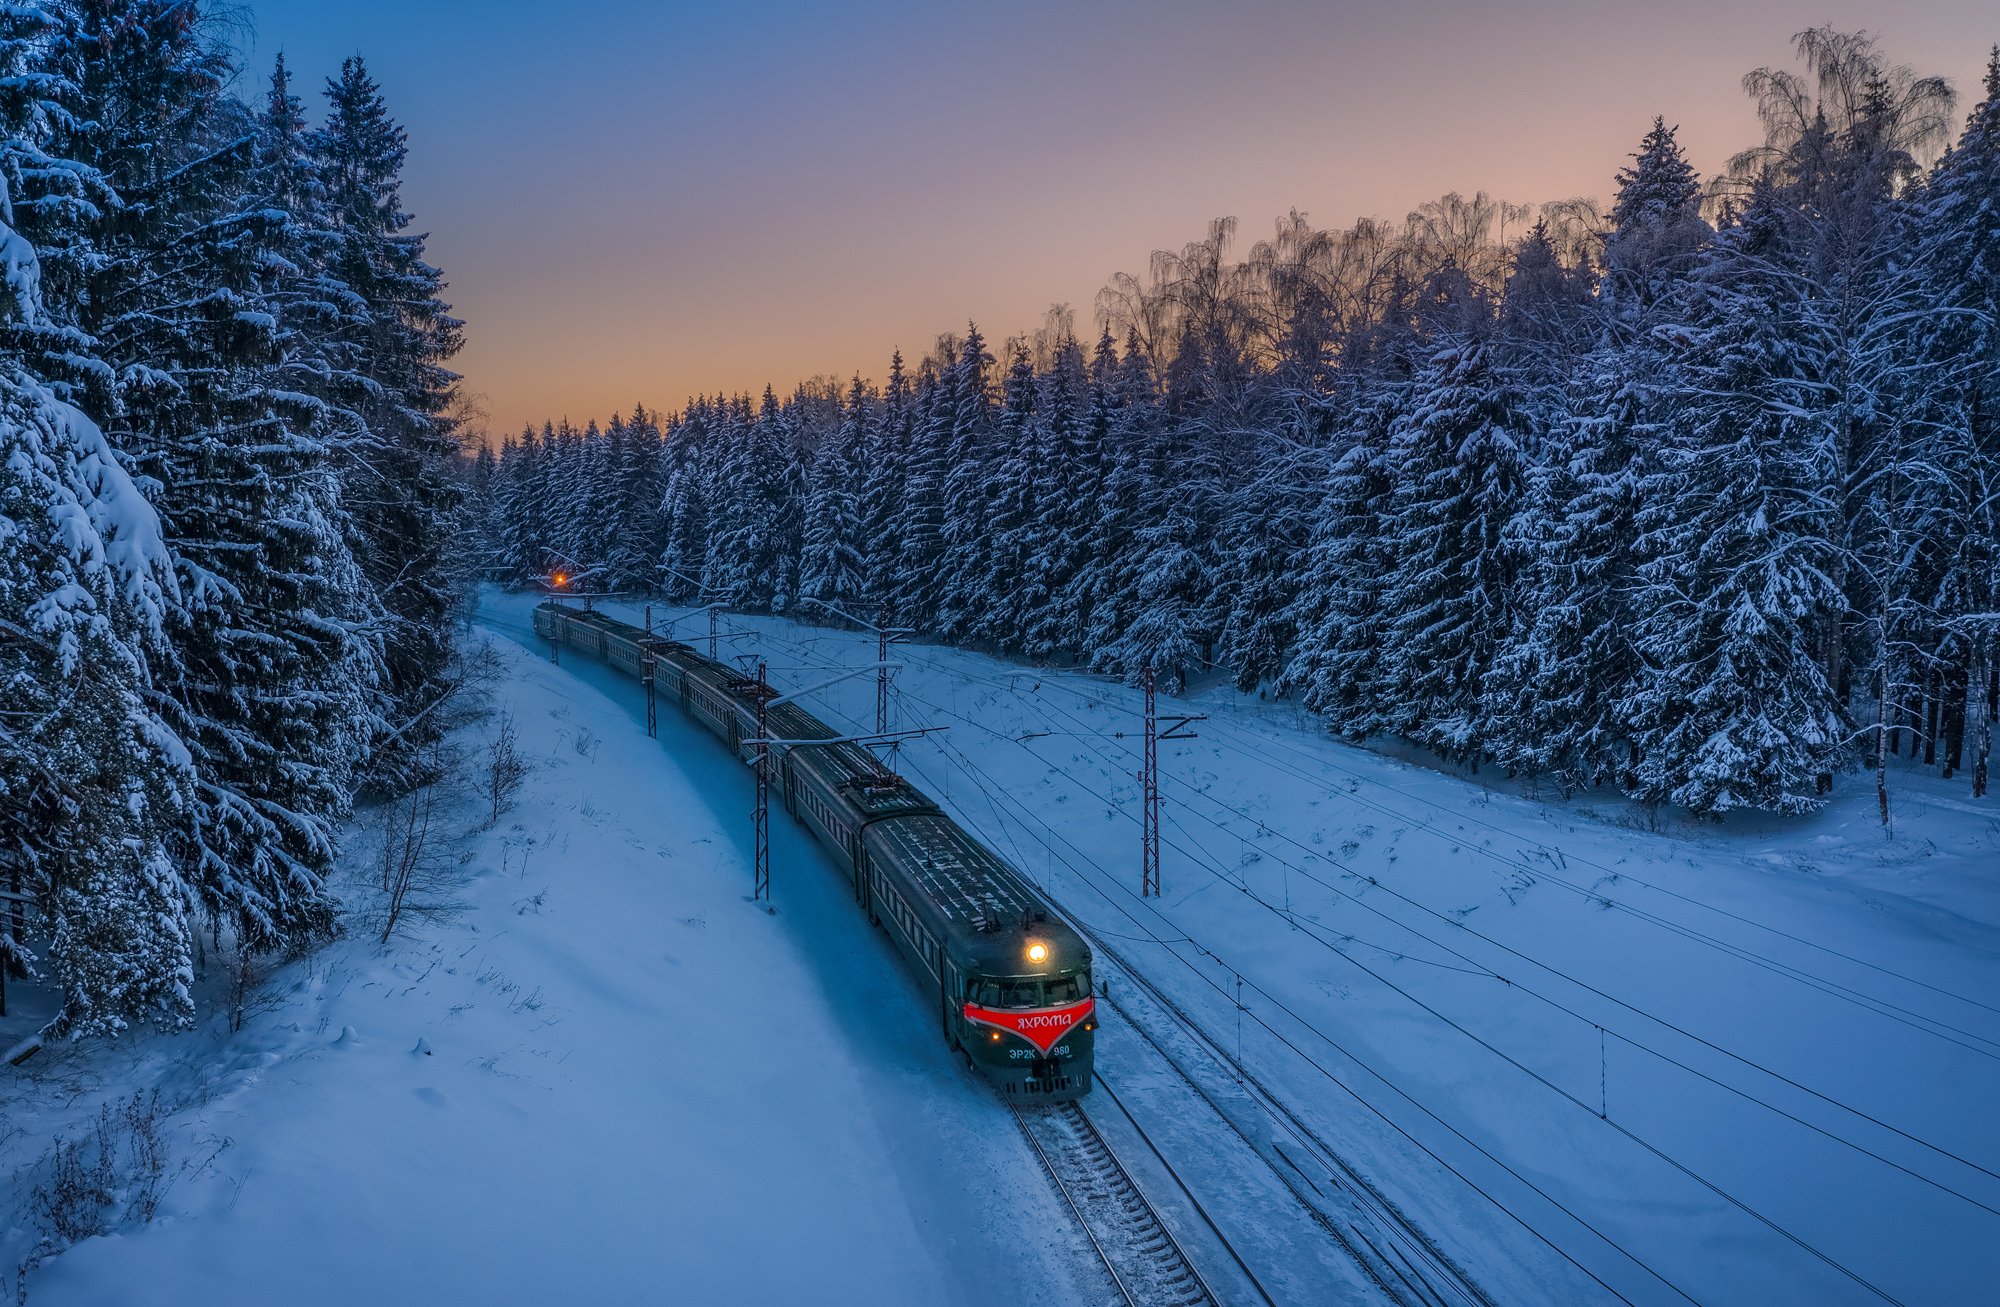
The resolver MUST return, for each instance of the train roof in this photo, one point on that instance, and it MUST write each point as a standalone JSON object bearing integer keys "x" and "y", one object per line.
{"x": 987, "y": 909}
{"x": 862, "y": 782}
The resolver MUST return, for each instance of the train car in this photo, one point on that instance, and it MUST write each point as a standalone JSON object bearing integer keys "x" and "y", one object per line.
{"x": 1011, "y": 980}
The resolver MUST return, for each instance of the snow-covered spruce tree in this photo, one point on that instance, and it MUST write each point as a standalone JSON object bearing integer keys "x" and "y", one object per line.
{"x": 757, "y": 529}
{"x": 1841, "y": 144}
{"x": 1335, "y": 663}
{"x": 1957, "y": 231}
{"x": 637, "y": 490}
{"x": 1069, "y": 612}
{"x": 1266, "y": 530}
{"x": 401, "y": 492}
{"x": 522, "y": 507}
{"x": 830, "y": 571}
{"x": 192, "y": 280}
{"x": 879, "y": 508}
{"x": 1106, "y": 594}
{"x": 1458, "y": 458}
{"x": 913, "y": 591}
{"x": 1057, "y": 531}
{"x": 1564, "y": 663}
{"x": 965, "y": 527}
{"x": 1013, "y": 582}
{"x": 1739, "y": 528}
{"x": 684, "y": 505}
{"x": 1656, "y": 225}
{"x": 593, "y": 503}
{"x": 91, "y": 780}
{"x": 1337, "y": 610}
{"x": 1570, "y": 664}
{"x": 1170, "y": 584}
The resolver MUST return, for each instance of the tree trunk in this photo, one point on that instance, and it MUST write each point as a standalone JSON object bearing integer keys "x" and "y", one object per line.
{"x": 1978, "y": 733}
{"x": 1931, "y": 696}
{"x": 1882, "y": 740}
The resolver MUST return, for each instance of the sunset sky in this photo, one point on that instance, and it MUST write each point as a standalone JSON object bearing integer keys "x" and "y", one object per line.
{"x": 637, "y": 201}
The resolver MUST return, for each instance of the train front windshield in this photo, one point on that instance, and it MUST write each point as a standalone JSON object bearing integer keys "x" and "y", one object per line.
{"x": 1030, "y": 991}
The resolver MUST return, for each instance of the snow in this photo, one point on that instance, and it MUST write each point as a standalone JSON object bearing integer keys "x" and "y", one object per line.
{"x": 609, "y": 1078}
{"x": 1819, "y": 987}
{"x": 611, "y": 1073}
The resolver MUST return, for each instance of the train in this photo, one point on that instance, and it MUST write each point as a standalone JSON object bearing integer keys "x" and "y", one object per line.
{"x": 1010, "y": 979}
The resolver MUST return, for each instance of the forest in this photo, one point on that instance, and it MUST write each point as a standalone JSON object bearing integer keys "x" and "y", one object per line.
{"x": 1694, "y": 496}
{"x": 229, "y": 489}
{"x": 1697, "y": 496}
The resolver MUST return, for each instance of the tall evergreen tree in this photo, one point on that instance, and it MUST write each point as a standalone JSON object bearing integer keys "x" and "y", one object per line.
{"x": 1458, "y": 458}
{"x": 398, "y": 469}
{"x": 1739, "y": 541}
{"x": 831, "y": 568}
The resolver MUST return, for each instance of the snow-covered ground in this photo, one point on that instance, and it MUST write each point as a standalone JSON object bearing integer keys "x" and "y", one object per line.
{"x": 609, "y": 1079}
{"x": 1595, "y": 1053}
{"x": 1754, "y": 1063}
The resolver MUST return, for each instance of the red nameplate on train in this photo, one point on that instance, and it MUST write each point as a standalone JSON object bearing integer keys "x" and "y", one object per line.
{"x": 1041, "y": 1027}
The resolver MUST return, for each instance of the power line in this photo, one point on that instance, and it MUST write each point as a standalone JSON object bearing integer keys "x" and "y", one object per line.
{"x": 1689, "y": 1172}
{"x": 1663, "y": 1156}
{"x": 1263, "y": 739}
{"x": 956, "y": 756}
{"x": 1483, "y": 970}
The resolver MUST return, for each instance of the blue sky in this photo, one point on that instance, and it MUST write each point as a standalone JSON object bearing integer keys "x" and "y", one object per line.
{"x": 636, "y": 201}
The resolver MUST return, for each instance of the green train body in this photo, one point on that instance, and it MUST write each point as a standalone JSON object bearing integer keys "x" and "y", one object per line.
{"x": 1010, "y": 979}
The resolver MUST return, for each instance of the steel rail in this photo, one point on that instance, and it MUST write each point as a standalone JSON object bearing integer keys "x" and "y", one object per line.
{"x": 1055, "y": 1176}
{"x": 1228, "y": 1245}
{"x": 1363, "y": 1192}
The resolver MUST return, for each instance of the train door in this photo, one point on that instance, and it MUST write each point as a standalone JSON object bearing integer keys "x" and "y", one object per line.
{"x": 948, "y": 985}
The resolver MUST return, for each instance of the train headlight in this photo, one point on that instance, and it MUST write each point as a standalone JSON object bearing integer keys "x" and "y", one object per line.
{"x": 1038, "y": 952}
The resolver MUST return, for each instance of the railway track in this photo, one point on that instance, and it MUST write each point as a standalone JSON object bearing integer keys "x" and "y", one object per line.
{"x": 1146, "y": 1263}
{"x": 1397, "y": 1259}
{"x": 1401, "y": 1260}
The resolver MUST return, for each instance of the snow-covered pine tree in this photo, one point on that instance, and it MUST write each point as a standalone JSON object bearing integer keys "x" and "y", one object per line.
{"x": 1656, "y": 223}
{"x": 401, "y": 490}
{"x": 92, "y": 782}
{"x": 1019, "y": 475}
{"x": 1739, "y": 539}
{"x": 966, "y": 510}
{"x": 192, "y": 283}
{"x": 1057, "y": 535}
{"x": 831, "y": 569}
{"x": 913, "y": 593}
{"x": 1955, "y": 230}
{"x": 880, "y": 508}
{"x": 1458, "y": 457}
{"x": 684, "y": 503}
{"x": 1107, "y": 593}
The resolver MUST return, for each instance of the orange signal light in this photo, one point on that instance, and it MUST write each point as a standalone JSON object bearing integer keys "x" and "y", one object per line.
{"x": 561, "y": 579}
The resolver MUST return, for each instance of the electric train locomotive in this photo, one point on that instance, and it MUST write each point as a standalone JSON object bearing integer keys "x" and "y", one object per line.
{"x": 1011, "y": 980}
